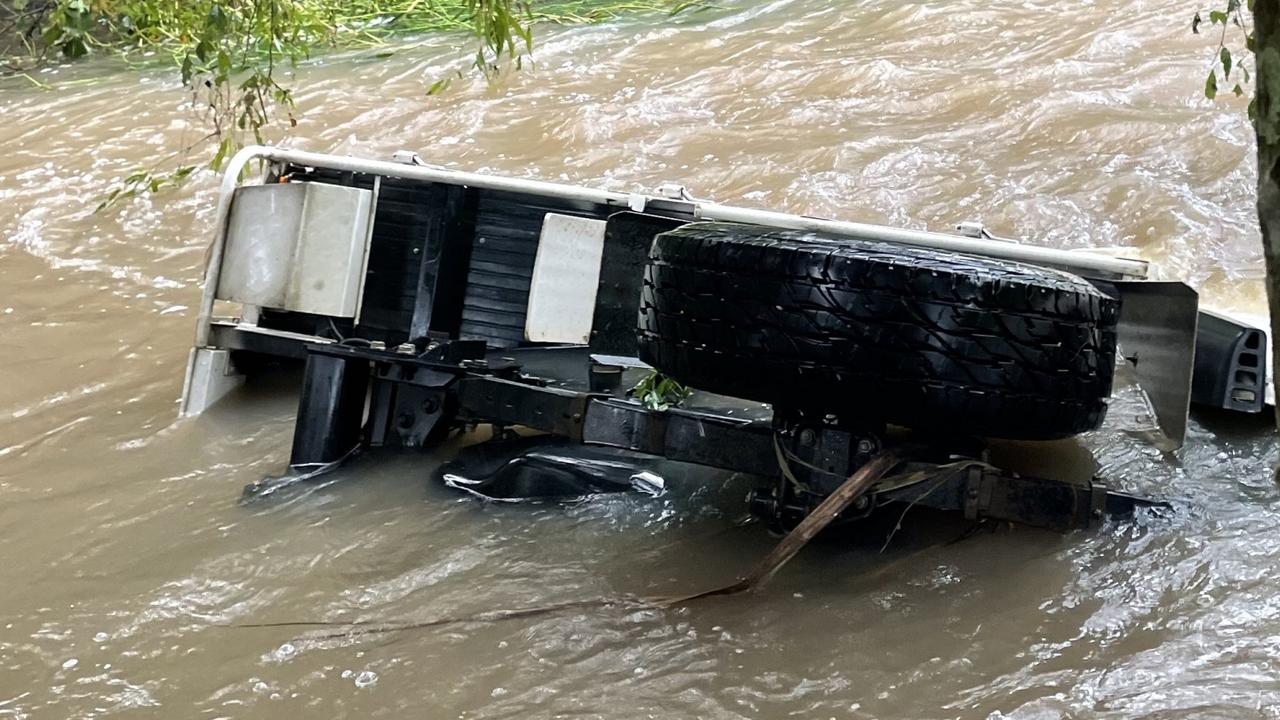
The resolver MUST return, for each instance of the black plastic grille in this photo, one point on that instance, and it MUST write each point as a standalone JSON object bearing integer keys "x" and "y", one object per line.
{"x": 503, "y": 251}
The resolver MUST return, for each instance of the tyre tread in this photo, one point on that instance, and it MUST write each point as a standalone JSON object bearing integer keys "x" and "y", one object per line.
{"x": 914, "y": 336}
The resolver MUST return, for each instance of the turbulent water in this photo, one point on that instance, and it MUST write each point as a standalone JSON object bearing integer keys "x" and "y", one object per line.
{"x": 124, "y": 555}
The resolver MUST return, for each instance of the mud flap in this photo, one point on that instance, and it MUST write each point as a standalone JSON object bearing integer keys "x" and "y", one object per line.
{"x": 1157, "y": 336}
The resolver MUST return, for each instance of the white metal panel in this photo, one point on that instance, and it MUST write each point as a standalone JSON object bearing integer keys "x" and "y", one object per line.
{"x": 566, "y": 275}
{"x": 297, "y": 246}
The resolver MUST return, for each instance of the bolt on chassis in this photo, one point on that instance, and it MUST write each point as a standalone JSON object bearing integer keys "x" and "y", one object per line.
{"x": 423, "y": 300}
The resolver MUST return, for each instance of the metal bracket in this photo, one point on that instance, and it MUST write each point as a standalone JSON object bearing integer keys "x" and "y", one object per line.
{"x": 972, "y": 229}
{"x": 210, "y": 376}
{"x": 674, "y": 191}
{"x": 506, "y": 402}
{"x": 407, "y": 157}
{"x": 682, "y": 435}
{"x": 1097, "y": 500}
{"x": 977, "y": 494}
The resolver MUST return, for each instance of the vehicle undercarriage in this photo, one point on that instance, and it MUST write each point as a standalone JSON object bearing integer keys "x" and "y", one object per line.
{"x": 424, "y": 302}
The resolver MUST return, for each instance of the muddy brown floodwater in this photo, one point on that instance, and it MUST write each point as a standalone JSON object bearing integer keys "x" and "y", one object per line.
{"x": 124, "y": 554}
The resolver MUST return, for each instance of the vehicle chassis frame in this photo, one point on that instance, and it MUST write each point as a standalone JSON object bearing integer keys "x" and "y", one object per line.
{"x": 415, "y": 397}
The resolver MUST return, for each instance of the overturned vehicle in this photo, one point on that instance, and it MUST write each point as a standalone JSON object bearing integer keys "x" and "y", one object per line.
{"x": 425, "y": 301}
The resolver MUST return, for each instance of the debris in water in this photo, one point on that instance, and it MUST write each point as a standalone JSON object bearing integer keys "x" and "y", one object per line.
{"x": 649, "y": 483}
{"x": 284, "y": 652}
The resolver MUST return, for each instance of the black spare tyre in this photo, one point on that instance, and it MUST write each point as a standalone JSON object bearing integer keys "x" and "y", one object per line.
{"x": 862, "y": 329}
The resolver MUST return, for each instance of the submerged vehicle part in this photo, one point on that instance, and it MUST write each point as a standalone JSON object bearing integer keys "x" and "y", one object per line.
{"x": 426, "y": 300}
{"x": 546, "y": 467}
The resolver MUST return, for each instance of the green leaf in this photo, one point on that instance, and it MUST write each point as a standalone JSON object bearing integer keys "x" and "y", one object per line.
{"x": 224, "y": 149}
{"x": 439, "y": 86}
{"x": 1217, "y": 16}
{"x": 224, "y": 66}
{"x": 74, "y": 48}
{"x": 1237, "y": 90}
{"x": 658, "y": 392}
{"x": 1225, "y": 56}
{"x": 217, "y": 19}
{"x": 1211, "y": 85}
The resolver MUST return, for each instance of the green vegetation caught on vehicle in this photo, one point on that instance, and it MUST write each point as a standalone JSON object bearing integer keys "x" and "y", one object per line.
{"x": 656, "y": 391}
